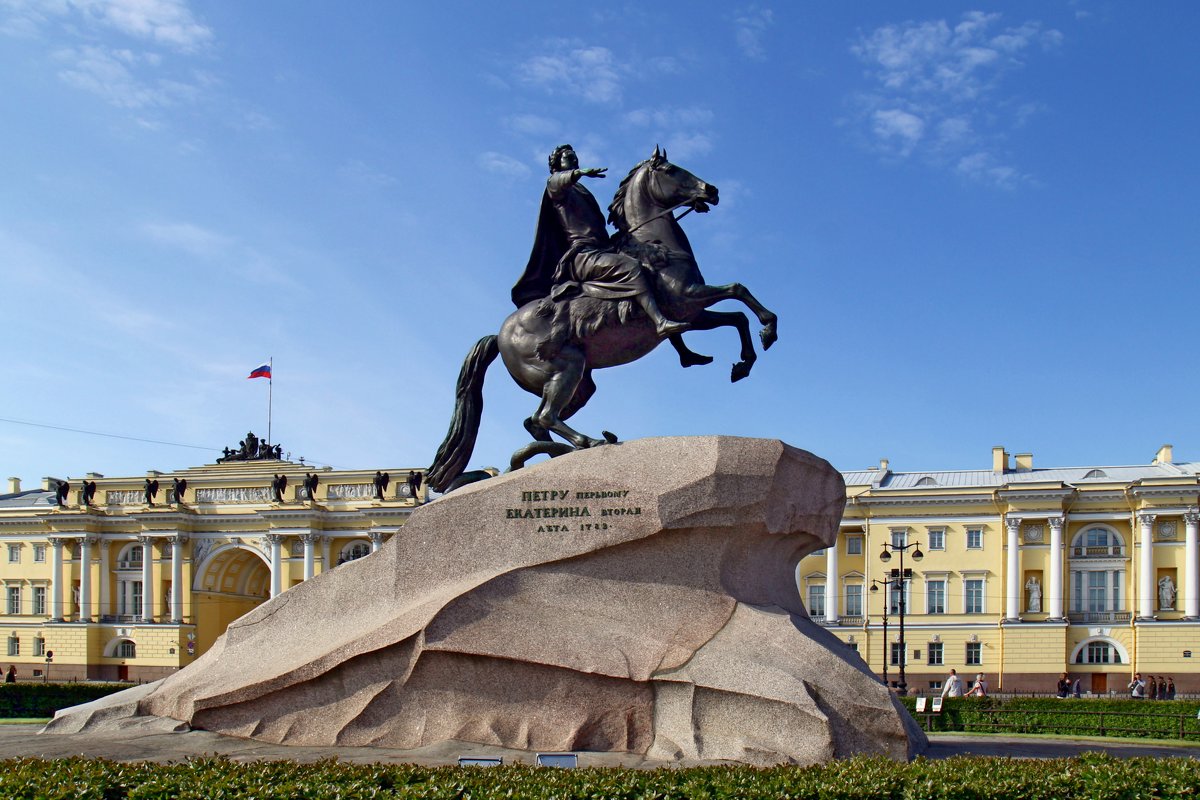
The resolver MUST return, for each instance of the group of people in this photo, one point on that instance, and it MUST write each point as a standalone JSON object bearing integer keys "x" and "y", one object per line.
{"x": 1159, "y": 688}
{"x": 953, "y": 687}
{"x": 1068, "y": 687}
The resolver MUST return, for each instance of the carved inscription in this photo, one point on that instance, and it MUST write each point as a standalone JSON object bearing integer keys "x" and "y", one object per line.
{"x": 567, "y": 510}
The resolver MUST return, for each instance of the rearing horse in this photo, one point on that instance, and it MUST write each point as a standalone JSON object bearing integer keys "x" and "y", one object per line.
{"x": 551, "y": 347}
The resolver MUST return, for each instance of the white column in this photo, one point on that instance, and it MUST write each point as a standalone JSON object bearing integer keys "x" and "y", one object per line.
{"x": 1054, "y": 588}
{"x": 105, "y": 606}
{"x": 831, "y": 583}
{"x": 1146, "y": 568}
{"x": 85, "y": 579}
{"x": 376, "y": 540}
{"x": 1012, "y": 606}
{"x": 276, "y": 540}
{"x": 56, "y": 579}
{"x": 148, "y": 589}
{"x": 177, "y": 544}
{"x": 309, "y": 540}
{"x": 1191, "y": 569}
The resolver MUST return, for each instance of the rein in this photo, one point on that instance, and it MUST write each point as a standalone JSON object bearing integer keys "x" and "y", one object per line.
{"x": 662, "y": 214}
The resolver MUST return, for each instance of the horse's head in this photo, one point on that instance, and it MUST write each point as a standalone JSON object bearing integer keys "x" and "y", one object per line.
{"x": 655, "y": 185}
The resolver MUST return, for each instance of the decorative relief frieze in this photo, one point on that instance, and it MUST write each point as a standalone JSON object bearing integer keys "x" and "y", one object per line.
{"x": 234, "y": 494}
{"x": 125, "y": 497}
{"x": 351, "y": 491}
{"x": 1167, "y": 531}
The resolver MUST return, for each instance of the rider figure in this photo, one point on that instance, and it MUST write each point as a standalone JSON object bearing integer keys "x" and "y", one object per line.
{"x": 572, "y": 244}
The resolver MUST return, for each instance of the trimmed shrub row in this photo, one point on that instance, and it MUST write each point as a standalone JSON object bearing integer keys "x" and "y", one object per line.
{"x": 1172, "y": 719}
{"x": 43, "y": 699}
{"x": 1093, "y": 776}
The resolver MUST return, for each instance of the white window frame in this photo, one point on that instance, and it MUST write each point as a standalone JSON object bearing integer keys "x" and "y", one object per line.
{"x": 944, "y": 580}
{"x": 11, "y": 593}
{"x": 898, "y": 537}
{"x": 976, "y": 531}
{"x": 939, "y": 532}
{"x": 978, "y": 646}
{"x": 941, "y": 654}
{"x": 349, "y": 547}
{"x": 862, "y": 599}
{"x": 892, "y": 650}
{"x": 967, "y": 577}
{"x": 14, "y": 554}
{"x": 39, "y": 554}
{"x": 857, "y": 538}
{"x": 14, "y": 646}
{"x": 815, "y": 590}
{"x": 38, "y": 596}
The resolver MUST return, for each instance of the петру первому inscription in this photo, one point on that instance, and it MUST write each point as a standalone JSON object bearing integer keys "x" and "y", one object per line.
{"x": 568, "y": 505}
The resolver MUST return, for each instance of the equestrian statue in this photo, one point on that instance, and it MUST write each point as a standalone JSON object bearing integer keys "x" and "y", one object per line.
{"x": 588, "y": 300}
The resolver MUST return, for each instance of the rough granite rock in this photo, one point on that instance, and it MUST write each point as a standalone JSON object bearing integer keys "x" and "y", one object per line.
{"x": 638, "y": 597}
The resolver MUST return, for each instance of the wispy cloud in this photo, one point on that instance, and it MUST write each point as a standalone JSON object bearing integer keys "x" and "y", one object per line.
{"x": 588, "y": 72}
{"x": 750, "y": 29}
{"x": 362, "y": 173}
{"x": 935, "y": 90}
{"x": 684, "y": 130}
{"x": 188, "y": 237}
{"x": 532, "y": 125}
{"x": 502, "y": 164}
{"x": 122, "y": 47}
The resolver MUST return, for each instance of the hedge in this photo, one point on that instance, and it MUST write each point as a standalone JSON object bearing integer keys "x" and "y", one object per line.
{"x": 43, "y": 699}
{"x": 1094, "y": 776}
{"x": 1089, "y": 717}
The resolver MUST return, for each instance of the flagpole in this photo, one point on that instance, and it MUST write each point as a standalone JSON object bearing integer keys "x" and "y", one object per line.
{"x": 270, "y": 394}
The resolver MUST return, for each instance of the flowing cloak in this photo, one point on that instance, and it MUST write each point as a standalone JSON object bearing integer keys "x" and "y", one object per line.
{"x": 572, "y": 252}
{"x": 549, "y": 246}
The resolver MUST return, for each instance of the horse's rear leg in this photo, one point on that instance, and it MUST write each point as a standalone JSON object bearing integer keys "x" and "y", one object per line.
{"x": 707, "y": 320}
{"x": 566, "y": 374}
{"x": 687, "y": 358}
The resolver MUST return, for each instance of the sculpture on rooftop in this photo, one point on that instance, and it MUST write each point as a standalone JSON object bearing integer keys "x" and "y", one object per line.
{"x": 179, "y": 487}
{"x": 252, "y": 449}
{"x": 60, "y": 493}
{"x": 150, "y": 491}
{"x": 89, "y": 492}
{"x": 588, "y": 300}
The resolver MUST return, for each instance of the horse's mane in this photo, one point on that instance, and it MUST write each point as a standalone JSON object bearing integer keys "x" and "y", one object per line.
{"x": 616, "y": 209}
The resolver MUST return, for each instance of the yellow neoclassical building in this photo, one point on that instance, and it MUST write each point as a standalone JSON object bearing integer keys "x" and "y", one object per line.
{"x": 130, "y": 584}
{"x": 1024, "y": 573}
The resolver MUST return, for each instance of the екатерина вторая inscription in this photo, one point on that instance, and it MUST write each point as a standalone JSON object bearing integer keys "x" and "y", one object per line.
{"x": 557, "y": 506}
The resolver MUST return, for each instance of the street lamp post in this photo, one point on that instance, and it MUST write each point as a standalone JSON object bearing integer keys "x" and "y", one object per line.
{"x": 886, "y": 647}
{"x": 898, "y": 578}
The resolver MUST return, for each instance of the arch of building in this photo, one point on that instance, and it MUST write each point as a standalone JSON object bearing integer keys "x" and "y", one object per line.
{"x": 234, "y": 569}
{"x": 110, "y": 648}
{"x": 1120, "y": 650}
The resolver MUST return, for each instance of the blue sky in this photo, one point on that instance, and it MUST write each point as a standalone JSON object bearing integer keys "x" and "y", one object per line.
{"x": 976, "y": 223}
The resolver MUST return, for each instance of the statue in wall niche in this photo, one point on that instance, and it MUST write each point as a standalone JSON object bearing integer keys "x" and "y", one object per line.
{"x": 1166, "y": 593}
{"x": 588, "y": 300}
{"x": 1034, "y": 587}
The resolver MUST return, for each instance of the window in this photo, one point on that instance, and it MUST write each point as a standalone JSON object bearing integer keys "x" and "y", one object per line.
{"x": 973, "y": 596}
{"x": 935, "y": 597}
{"x": 935, "y": 654}
{"x": 1098, "y": 652}
{"x": 14, "y": 554}
{"x": 937, "y": 539}
{"x": 974, "y": 538}
{"x": 854, "y": 600}
{"x": 125, "y": 649}
{"x": 354, "y": 551}
{"x": 1097, "y": 542}
{"x": 14, "y": 646}
{"x": 39, "y": 600}
{"x": 854, "y": 545}
{"x": 14, "y": 599}
{"x": 900, "y": 537}
{"x": 897, "y": 653}
{"x": 816, "y": 599}
{"x": 39, "y": 553}
{"x": 1096, "y": 591}
{"x": 974, "y": 653}
{"x": 894, "y": 596}
{"x": 39, "y": 646}
{"x": 130, "y": 557}
{"x": 935, "y": 686}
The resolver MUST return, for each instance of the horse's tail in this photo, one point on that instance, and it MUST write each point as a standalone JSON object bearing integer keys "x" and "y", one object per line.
{"x": 455, "y": 450}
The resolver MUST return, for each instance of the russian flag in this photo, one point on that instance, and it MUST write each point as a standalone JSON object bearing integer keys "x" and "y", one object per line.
{"x": 260, "y": 372}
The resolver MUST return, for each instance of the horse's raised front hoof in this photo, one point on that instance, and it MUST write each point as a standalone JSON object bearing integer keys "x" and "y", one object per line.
{"x": 768, "y": 335}
{"x": 691, "y": 359}
{"x": 609, "y": 437}
{"x": 740, "y": 370}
